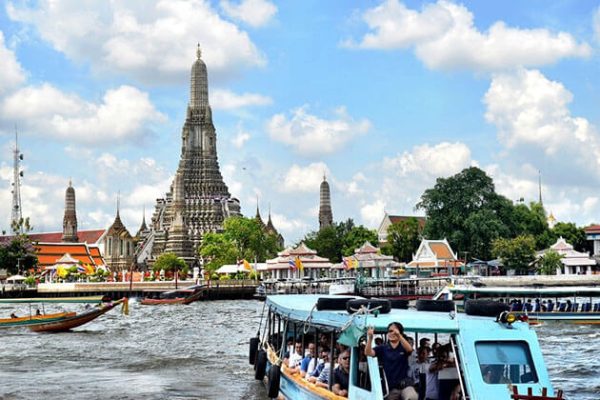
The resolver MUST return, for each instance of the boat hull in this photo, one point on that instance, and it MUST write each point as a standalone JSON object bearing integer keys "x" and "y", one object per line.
{"x": 179, "y": 300}
{"x": 34, "y": 319}
{"x": 69, "y": 323}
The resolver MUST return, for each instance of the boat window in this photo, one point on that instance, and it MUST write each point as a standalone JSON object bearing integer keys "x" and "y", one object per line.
{"x": 505, "y": 362}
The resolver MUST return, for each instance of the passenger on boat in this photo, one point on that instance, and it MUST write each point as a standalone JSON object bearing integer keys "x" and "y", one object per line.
{"x": 309, "y": 362}
{"x": 13, "y": 315}
{"x": 434, "y": 349}
{"x": 447, "y": 372}
{"x": 425, "y": 342}
{"x": 494, "y": 374}
{"x": 342, "y": 374}
{"x": 323, "y": 378}
{"x": 394, "y": 357}
{"x": 312, "y": 377}
{"x": 293, "y": 360}
{"x": 38, "y": 312}
{"x": 426, "y": 375}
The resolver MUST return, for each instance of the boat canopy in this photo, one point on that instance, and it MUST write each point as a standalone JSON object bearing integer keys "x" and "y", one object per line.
{"x": 557, "y": 291}
{"x": 83, "y": 299}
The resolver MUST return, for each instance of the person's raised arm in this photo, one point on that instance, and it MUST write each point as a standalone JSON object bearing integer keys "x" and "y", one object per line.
{"x": 368, "y": 347}
{"x": 405, "y": 345}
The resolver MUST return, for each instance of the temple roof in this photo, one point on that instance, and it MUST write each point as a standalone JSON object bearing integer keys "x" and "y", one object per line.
{"x": 91, "y": 236}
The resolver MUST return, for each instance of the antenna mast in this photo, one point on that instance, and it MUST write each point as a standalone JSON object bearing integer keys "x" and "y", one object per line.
{"x": 17, "y": 215}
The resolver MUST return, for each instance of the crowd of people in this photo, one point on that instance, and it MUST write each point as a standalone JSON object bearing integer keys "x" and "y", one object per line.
{"x": 425, "y": 373}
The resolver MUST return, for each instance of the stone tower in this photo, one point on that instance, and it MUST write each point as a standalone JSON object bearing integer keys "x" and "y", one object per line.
{"x": 205, "y": 202}
{"x": 325, "y": 214}
{"x": 70, "y": 218}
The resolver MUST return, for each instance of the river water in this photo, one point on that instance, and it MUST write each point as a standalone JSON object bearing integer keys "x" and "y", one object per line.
{"x": 200, "y": 351}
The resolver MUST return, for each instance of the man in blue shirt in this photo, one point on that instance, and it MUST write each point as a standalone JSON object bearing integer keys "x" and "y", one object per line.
{"x": 393, "y": 355}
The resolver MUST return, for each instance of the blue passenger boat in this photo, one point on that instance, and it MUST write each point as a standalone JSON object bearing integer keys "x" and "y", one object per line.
{"x": 478, "y": 344}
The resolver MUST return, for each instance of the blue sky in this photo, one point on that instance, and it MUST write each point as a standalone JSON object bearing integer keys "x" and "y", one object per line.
{"x": 382, "y": 96}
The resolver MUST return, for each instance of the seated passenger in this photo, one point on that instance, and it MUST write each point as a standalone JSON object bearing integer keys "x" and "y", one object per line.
{"x": 323, "y": 378}
{"x": 309, "y": 362}
{"x": 323, "y": 361}
{"x": 13, "y": 315}
{"x": 342, "y": 374}
{"x": 426, "y": 375}
{"x": 494, "y": 374}
{"x": 294, "y": 359}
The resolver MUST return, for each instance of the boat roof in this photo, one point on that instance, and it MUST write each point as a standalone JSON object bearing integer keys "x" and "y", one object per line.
{"x": 82, "y": 299}
{"x": 303, "y": 308}
{"x": 560, "y": 291}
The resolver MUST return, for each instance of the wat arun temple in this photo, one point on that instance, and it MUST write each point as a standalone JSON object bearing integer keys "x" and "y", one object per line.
{"x": 198, "y": 201}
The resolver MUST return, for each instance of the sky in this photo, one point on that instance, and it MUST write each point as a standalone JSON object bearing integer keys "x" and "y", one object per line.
{"x": 382, "y": 97}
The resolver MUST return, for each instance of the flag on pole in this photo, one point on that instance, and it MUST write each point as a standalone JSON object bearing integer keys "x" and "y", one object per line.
{"x": 292, "y": 264}
{"x": 299, "y": 264}
{"x": 247, "y": 265}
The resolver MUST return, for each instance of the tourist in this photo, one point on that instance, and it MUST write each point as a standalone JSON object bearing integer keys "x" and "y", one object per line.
{"x": 394, "y": 357}
{"x": 322, "y": 363}
{"x": 426, "y": 375}
{"x": 341, "y": 375}
{"x": 13, "y": 315}
{"x": 308, "y": 364}
{"x": 425, "y": 342}
{"x": 294, "y": 359}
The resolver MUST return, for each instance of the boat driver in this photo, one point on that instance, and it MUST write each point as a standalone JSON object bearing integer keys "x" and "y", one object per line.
{"x": 393, "y": 355}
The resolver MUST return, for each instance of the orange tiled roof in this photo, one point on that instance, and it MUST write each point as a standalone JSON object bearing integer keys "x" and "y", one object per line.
{"x": 592, "y": 229}
{"x": 49, "y": 253}
{"x": 442, "y": 251}
{"x": 399, "y": 218}
{"x": 91, "y": 236}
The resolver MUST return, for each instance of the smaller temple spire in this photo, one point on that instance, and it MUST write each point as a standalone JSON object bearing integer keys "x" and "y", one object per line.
{"x": 540, "y": 186}
{"x": 118, "y": 202}
{"x": 70, "y": 216}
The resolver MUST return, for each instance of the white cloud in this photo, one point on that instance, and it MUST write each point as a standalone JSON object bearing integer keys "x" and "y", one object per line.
{"x": 255, "y": 13}
{"x": 123, "y": 114}
{"x": 154, "y": 42}
{"x": 305, "y": 179}
{"x": 239, "y": 139}
{"x": 12, "y": 73}
{"x": 287, "y": 225}
{"x": 442, "y": 159}
{"x": 444, "y": 37}
{"x": 228, "y": 100}
{"x": 311, "y": 136}
{"x": 533, "y": 121}
{"x": 373, "y": 213}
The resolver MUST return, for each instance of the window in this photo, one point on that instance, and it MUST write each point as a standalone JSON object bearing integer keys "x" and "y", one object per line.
{"x": 505, "y": 362}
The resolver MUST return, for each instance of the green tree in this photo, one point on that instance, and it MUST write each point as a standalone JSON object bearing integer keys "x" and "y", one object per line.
{"x": 169, "y": 262}
{"x": 403, "y": 239}
{"x": 326, "y": 242}
{"x": 217, "y": 250}
{"x": 457, "y": 206}
{"x": 550, "y": 262}
{"x": 516, "y": 254}
{"x": 531, "y": 220}
{"x": 18, "y": 254}
{"x": 356, "y": 237}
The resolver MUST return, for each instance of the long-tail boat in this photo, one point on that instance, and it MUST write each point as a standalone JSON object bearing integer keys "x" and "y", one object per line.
{"x": 179, "y": 296}
{"x": 34, "y": 319}
{"x": 74, "y": 321}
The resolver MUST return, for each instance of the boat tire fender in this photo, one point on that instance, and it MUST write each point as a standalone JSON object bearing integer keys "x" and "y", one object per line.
{"x": 399, "y": 303}
{"x": 260, "y": 365}
{"x": 332, "y": 303}
{"x": 435, "y": 305}
{"x": 485, "y": 308}
{"x": 384, "y": 305}
{"x": 274, "y": 380}
{"x": 253, "y": 349}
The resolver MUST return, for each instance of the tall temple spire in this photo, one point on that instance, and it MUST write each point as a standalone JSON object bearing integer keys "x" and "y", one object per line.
{"x": 17, "y": 213}
{"x": 325, "y": 213}
{"x": 70, "y": 217}
{"x": 198, "y": 200}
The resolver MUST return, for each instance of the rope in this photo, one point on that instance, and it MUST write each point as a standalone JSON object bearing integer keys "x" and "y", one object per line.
{"x": 308, "y": 320}
{"x": 262, "y": 314}
{"x": 363, "y": 310}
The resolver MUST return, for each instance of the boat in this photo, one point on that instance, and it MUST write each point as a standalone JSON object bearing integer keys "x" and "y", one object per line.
{"x": 571, "y": 304}
{"x": 181, "y": 296}
{"x": 73, "y": 321}
{"x": 34, "y": 319}
{"x": 477, "y": 343}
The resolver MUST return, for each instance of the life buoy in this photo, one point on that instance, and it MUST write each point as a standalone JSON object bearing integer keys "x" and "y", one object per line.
{"x": 355, "y": 304}
{"x": 332, "y": 303}
{"x": 485, "y": 308}
{"x": 274, "y": 380}
{"x": 253, "y": 349}
{"x": 261, "y": 365}
{"x": 399, "y": 303}
{"x": 435, "y": 305}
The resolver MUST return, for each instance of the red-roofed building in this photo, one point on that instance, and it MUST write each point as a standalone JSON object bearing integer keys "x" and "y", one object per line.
{"x": 90, "y": 237}
{"x": 388, "y": 220}
{"x": 50, "y": 253}
{"x": 592, "y": 233}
